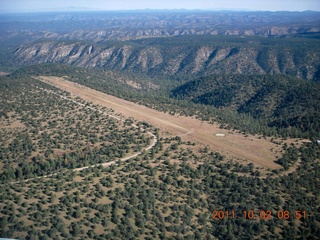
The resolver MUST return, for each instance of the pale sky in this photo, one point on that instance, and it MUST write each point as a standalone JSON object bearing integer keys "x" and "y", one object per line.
{"x": 269, "y": 5}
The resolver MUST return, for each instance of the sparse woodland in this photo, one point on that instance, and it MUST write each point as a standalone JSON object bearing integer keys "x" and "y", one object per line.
{"x": 53, "y": 133}
{"x": 168, "y": 192}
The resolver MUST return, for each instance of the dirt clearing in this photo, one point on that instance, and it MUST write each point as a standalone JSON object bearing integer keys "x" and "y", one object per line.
{"x": 249, "y": 149}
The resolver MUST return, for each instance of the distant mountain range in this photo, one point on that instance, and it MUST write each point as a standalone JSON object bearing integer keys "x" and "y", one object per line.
{"x": 167, "y": 42}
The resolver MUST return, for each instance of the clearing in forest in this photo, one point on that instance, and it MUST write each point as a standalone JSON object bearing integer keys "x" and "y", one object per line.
{"x": 247, "y": 149}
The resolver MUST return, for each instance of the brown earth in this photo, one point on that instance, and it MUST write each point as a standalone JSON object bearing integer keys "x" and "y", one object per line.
{"x": 15, "y": 124}
{"x": 248, "y": 149}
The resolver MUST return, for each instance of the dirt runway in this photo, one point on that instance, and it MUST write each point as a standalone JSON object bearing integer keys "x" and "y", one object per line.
{"x": 234, "y": 145}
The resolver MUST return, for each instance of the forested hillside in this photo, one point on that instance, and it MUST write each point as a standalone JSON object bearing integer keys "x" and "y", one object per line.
{"x": 281, "y": 100}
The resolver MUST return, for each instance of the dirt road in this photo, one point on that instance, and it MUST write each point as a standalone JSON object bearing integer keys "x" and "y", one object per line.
{"x": 151, "y": 145}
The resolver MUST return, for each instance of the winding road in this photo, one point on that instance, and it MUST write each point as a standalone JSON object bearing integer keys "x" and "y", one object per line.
{"x": 153, "y": 143}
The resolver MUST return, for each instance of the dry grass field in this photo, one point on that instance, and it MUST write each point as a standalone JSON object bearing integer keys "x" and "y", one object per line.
{"x": 246, "y": 149}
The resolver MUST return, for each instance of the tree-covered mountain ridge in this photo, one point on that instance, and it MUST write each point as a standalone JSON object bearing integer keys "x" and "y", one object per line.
{"x": 281, "y": 100}
{"x": 184, "y": 55}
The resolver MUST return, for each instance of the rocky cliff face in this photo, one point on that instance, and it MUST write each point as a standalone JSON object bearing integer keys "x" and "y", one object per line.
{"x": 175, "y": 58}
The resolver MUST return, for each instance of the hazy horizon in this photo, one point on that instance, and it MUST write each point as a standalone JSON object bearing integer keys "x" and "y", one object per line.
{"x": 100, "y": 5}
